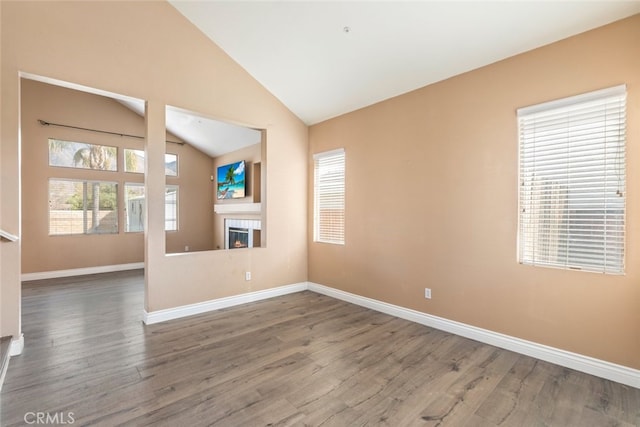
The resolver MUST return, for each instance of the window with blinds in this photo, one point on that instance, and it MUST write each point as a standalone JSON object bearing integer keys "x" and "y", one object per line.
{"x": 572, "y": 182}
{"x": 328, "y": 188}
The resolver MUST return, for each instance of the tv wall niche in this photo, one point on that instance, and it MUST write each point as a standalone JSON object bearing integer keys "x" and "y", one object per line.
{"x": 232, "y": 181}
{"x": 231, "y": 210}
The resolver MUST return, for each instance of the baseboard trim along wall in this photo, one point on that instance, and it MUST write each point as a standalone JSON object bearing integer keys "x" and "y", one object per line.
{"x": 152, "y": 317}
{"x": 17, "y": 345}
{"x": 80, "y": 271}
{"x": 578, "y": 362}
{"x": 15, "y": 348}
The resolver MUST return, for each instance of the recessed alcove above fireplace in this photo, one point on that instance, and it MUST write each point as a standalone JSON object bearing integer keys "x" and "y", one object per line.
{"x": 242, "y": 233}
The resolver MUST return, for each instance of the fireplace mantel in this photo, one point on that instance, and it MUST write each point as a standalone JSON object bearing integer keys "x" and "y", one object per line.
{"x": 237, "y": 208}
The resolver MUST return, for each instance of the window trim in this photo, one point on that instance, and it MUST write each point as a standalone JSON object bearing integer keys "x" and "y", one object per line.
{"x": 126, "y": 208}
{"x": 125, "y": 169}
{"x": 177, "y": 205}
{"x": 87, "y": 145}
{"x": 177, "y": 174}
{"x": 124, "y": 160}
{"x": 85, "y": 182}
{"x": 603, "y": 253}
{"x": 339, "y": 239}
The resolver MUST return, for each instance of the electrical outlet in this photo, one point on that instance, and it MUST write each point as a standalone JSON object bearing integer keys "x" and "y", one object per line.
{"x": 247, "y": 275}
{"x": 186, "y": 248}
{"x": 427, "y": 293}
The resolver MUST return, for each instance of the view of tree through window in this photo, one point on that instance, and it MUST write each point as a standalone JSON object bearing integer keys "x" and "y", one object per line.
{"x": 82, "y": 207}
{"x": 134, "y": 162}
{"x": 82, "y": 155}
{"x": 90, "y": 207}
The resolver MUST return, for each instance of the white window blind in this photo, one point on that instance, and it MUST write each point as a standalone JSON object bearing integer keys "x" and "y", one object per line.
{"x": 329, "y": 200}
{"x": 572, "y": 182}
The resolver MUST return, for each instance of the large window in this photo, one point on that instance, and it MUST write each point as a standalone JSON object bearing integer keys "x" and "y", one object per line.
{"x": 572, "y": 182}
{"x": 82, "y": 155}
{"x": 82, "y": 207}
{"x": 329, "y": 197}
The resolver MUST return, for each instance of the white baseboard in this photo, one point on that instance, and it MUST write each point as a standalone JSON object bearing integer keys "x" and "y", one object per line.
{"x": 17, "y": 345}
{"x": 589, "y": 365}
{"x": 3, "y": 372}
{"x": 15, "y": 349}
{"x": 216, "y": 304}
{"x": 578, "y": 362}
{"x": 80, "y": 271}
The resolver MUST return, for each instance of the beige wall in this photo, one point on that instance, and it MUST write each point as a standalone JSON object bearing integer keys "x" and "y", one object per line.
{"x": 195, "y": 200}
{"x": 251, "y": 155}
{"x": 115, "y": 47}
{"x": 9, "y": 198}
{"x": 432, "y": 201}
{"x": 41, "y": 252}
{"x": 455, "y": 203}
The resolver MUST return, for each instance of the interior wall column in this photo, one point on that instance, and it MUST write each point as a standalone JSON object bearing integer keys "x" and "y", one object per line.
{"x": 154, "y": 173}
{"x": 10, "y": 322}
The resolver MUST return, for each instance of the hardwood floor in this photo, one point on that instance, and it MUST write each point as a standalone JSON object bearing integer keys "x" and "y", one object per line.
{"x": 301, "y": 359}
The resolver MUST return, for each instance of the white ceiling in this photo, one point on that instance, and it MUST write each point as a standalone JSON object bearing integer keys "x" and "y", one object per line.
{"x": 213, "y": 137}
{"x": 300, "y": 51}
{"x": 210, "y": 136}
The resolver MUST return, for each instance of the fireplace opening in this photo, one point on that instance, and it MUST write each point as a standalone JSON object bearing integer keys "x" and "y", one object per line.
{"x": 238, "y": 238}
{"x": 241, "y": 233}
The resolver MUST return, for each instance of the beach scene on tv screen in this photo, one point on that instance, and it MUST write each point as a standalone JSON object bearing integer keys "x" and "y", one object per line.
{"x": 231, "y": 181}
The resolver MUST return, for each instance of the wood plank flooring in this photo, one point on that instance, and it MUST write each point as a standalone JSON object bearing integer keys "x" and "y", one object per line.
{"x": 299, "y": 360}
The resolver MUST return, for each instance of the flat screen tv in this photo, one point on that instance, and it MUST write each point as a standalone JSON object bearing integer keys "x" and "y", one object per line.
{"x": 231, "y": 181}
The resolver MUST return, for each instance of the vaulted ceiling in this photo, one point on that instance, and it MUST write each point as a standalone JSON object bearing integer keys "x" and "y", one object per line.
{"x": 326, "y": 58}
